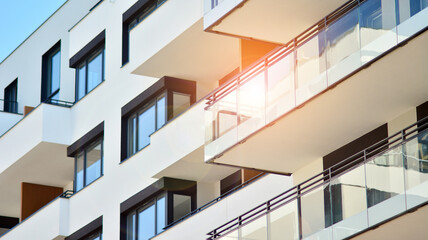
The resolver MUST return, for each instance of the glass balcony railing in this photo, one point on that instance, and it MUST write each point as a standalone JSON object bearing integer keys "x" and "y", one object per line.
{"x": 8, "y": 106}
{"x": 347, "y": 39}
{"x": 373, "y": 186}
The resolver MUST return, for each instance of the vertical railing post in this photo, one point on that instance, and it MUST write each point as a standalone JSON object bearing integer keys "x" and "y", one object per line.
{"x": 299, "y": 213}
{"x": 404, "y": 160}
{"x": 365, "y": 184}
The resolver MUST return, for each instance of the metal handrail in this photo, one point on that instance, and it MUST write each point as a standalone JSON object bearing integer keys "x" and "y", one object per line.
{"x": 67, "y": 194}
{"x": 13, "y": 103}
{"x": 325, "y": 176}
{"x": 217, "y": 199}
{"x": 279, "y": 53}
{"x": 59, "y": 102}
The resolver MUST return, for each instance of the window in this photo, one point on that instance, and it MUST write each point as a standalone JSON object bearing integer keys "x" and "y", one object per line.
{"x": 89, "y": 65}
{"x": 88, "y": 157}
{"x": 134, "y": 15}
{"x": 152, "y": 109}
{"x": 96, "y": 236}
{"x": 90, "y": 73}
{"x": 88, "y": 165}
{"x": 148, "y": 212}
{"x": 145, "y": 122}
{"x": 10, "y": 97}
{"x": 148, "y": 220}
{"x": 51, "y": 71}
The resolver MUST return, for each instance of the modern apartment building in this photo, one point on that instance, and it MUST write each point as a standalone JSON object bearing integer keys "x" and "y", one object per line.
{"x": 210, "y": 119}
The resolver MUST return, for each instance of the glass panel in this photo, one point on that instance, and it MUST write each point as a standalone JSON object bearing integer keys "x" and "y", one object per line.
{"x": 348, "y": 198}
{"x": 160, "y": 214}
{"x": 146, "y": 126}
{"x": 221, "y": 122}
{"x": 146, "y": 222}
{"x": 377, "y": 28}
{"x": 78, "y": 179}
{"x": 182, "y": 206}
{"x": 343, "y": 47}
{"x": 130, "y": 226}
{"x": 311, "y": 68}
{"x": 417, "y": 170}
{"x": 251, "y": 105}
{"x": 385, "y": 186}
{"x": 284, "y": 223}
{"x": 256, "y": 229}
{"x": 313, "y": 207}
{"x": 280, "y": 88}
{"x": 161, "y": 111}
{"x": 231, "y": 236}
{"x": 81, "y": 81}
{"x": 55, "y": 72}
{"x": 132, "y": 135}
{"x": 412, "y": 17}
{"x": 95, "y": 71}
{"x": 93, "y": 163}
{"x": 181, "y": 102}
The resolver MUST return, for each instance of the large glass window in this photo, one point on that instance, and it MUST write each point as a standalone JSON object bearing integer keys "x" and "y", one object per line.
{"x": 148, "y": 220}
{"x": 90, "y": 73}
{"x": 51, "y": 71}
{"x": 145, "y": 122}
{"x": 88, "y": 165}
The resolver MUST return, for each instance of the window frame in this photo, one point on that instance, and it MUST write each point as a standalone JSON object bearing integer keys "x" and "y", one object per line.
{"x": 133, "y": 140}
{"x": 47, "y": 92}
{"x": 164, "y": 187}
{"x": 11, "y": 91}
{"x": 84, "y": 151}
{"x": 132, "y": 17}
{"x": 85, "y": 63}
{"x": 164, "y": 87}
{"x": 140, "y": 208}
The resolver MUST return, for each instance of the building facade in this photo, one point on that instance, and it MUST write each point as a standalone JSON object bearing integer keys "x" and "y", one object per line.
{"x": 208, "y": 119}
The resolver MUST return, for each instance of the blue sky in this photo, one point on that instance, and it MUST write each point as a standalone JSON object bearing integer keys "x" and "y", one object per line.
{"x": 19, "y": 18}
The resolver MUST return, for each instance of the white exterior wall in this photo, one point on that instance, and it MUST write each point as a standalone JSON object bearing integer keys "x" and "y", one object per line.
{"x": 53, "y": 124}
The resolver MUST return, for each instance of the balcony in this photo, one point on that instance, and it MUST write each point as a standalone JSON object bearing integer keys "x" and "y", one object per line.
{"x": 276, "y": 21}
{"x": 380, "y": 183}
{"x": 34, "y": 151}
{"x": 321, "y": 85}
{"x": 50, "y": 222}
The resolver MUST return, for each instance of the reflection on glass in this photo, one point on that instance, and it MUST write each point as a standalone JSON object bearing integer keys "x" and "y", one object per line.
{"x": 377, "y": 27}
{"x": 78, "y": 179}
{"x": 313, "y": 214}
{"x": 251, "y": 105}
{"x": 161, "y": 111}
{"x": 146, "y": 225}
{"x": 343, "y": 47}
{"x": 222, "y": 119}
{"x": 130, "y": 226}
{"x": 93, "y": 163}
{"x": 283, "y": 222}
{"x": 256, "y": 229}
{"x": 385, "y": 186}
{"x": 182, "y": 206}
{"x": 55, "y": 71}
{"x": 81, "y": 81}
{"x": 348, "y": 197}
{"x": 311, "y": 68}
{"x": 412, "y": 16}
{"x": 160, "y": 214}
{"x": 132, "y": 133}
{"x": 181, "y": 103}
{"x": 417, "y": 170}
{"x": 146, "y": 126}
{"x": 280, "y": 88}
{"x": 95, "y": 71}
